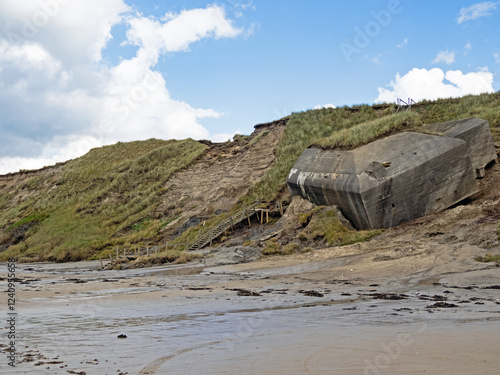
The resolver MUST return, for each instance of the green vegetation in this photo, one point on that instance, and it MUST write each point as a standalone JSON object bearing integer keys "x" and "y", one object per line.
{"x": 290, "y": 248}
{"x": 324, "y": 225}
{"x": 106, "y": 198}
{"x": 366, "y": 132}
{"x": 272, "y": 247}
{"x": 241, "y": 139}
{"x": 33, "y": 219}
{"x": 488, "y": 258}
{"x": 485, "y": 106}
{"x": 256, "y": 139}
{"x": 321, "y": 224}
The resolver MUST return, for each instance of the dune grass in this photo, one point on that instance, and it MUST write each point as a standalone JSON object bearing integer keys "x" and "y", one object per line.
{"x": 488, "y": 258}
{"x": 324, "y": 225}
{"x": 257, "y": 138}
{"x": 485, "y": 106}
{"x": 366, "y": 132}
{"x": 106, "y": 198}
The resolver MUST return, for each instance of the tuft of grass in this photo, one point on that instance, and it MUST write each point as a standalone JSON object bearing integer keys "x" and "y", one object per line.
{"x": 325, "y": 226}
{"x": 241, "y": 139}
{"x": 305, "y": 217}
{"x": 256, "y": 139}
{"x": 290, "y": 248}
{"x": 488, "y": 258}
{"x": 272, "y": 247}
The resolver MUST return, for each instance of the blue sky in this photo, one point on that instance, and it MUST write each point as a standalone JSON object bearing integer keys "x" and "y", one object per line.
{"x": 77, "y": 74}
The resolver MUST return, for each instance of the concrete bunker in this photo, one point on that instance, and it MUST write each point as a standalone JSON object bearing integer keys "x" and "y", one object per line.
{"x": 477, "y": 134}
{"x": 398, "y": 178}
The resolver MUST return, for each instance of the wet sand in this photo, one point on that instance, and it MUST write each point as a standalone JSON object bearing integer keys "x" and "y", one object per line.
{"x": 325, "y": 314}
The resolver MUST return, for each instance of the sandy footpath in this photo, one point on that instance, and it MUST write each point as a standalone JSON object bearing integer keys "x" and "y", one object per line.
{"x": 335, "y": 311}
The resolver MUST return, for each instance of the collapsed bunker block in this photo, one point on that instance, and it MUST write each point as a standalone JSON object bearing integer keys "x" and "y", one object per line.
{"x": 476, "y": 133}
{"x": 398, "y": 178}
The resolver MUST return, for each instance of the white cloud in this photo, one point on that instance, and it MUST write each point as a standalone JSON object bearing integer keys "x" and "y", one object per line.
{"x": 447, "y": 57}
{"x": 176, "y": 32}
{"x": 76, "y": 100}
{"x": 29, "y": 56}
{"x": 497, "y": 57}
{"x": 324, "y": 106}
{"x": 71, "y": 30}
{"x": 420, "y": 84}
{"x": 405, "y": 42}
{"x": 476, "y": 11}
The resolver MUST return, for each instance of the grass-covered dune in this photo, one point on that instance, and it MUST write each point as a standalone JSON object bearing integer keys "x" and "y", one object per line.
{"x": 103, "y": 199}
{"x": 110, "y": 197}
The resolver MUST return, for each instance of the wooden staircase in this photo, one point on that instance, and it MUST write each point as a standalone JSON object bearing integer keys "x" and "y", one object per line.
{"x": 243, "y": 213}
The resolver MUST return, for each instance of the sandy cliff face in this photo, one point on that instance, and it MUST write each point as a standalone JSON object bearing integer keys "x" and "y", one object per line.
{"x": 223, "y": 175}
